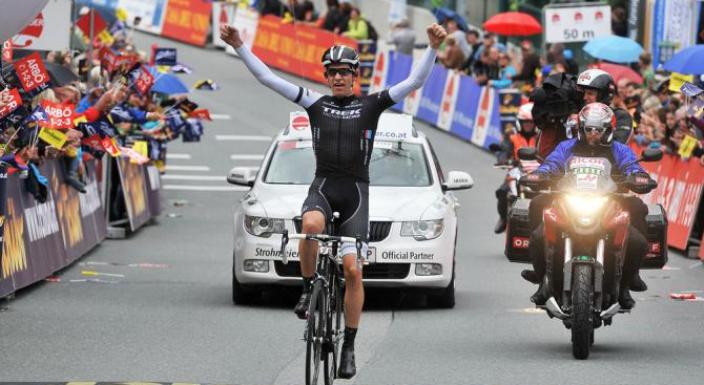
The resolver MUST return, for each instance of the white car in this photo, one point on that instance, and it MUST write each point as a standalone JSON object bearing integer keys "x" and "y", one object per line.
{"x": 412, "y": 213}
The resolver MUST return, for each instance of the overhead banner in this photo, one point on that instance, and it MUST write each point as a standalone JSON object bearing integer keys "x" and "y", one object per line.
{"x": 679, "y": 191}
{"x": 294, "y": 48}
{"x": 188, "y": 21}
{"x": 49, "y": 31}
{"x": 151, "y": 13}
{"x": 574, "y": 24}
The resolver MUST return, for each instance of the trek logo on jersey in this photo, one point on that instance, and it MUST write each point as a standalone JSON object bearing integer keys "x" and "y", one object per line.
{"x": 344, "y": 114}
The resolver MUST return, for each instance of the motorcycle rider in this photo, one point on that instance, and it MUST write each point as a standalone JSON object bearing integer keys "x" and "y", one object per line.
{"x": 597, "y": 86}
{"x": 343, "y": 129}
{"x": 525, "y": 136}
{"x": 596, "y": 125}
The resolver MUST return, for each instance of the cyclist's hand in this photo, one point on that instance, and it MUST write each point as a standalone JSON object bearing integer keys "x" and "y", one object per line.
{"x": 231, "y": 36}
{"x": 436, "y": 35}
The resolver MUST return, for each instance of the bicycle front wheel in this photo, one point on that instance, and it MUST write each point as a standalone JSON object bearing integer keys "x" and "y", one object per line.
{"x": 334, "y": 332}
{"x": 315, "y": 332}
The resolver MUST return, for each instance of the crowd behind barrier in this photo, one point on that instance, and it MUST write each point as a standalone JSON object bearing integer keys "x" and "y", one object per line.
{"x": 83, "y": 139}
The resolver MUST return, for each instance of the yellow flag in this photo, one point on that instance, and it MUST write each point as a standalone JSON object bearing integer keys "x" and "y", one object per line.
{"x": 121, "y": 14}
{"x": 689, "y": 143}
{"x": 141, "y": 147}
{"x": 79, "y": 120}
{"x": 105, "y": 37}
{"x": 677, "y": 80}
{"x": 53, "y": 137}
{"x": 71, "y": 152}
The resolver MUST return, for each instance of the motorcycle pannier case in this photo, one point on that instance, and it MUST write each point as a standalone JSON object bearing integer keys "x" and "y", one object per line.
{"x": 518, "y": 232}
{"x": 657, "y": 237}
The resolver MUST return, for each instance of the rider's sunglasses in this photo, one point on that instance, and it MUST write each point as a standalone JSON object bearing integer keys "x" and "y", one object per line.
{"x": 598, "y": 130}
{"x": 331, "y": 72}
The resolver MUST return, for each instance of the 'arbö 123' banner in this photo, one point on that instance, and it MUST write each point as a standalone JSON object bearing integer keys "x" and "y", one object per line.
{"x": 452, "y": 102}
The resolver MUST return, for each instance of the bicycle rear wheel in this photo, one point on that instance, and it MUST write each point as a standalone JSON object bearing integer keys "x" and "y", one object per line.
{"x": 315, "y": 332}
{"x": 334, "y": 332}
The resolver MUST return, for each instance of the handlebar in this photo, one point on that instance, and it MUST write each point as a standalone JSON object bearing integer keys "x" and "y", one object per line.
{"x": 322, "y": 238}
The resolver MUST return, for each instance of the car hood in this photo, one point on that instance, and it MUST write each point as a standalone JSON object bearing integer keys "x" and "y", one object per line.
{"x": 385, "y": 203}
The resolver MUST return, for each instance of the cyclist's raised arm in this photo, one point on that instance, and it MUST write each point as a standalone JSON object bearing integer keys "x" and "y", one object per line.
{"x": 421, "y": 71}
{"x": 299, "y": 95}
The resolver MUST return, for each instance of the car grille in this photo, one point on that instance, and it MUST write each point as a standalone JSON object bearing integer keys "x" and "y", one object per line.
{"x": 373, "y": 271}
{"x": 378, "y": 231}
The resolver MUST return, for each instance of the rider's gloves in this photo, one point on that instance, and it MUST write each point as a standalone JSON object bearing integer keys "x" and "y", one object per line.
{"x": 641, "y": 183}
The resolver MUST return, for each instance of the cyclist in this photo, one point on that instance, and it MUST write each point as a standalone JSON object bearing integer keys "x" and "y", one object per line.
{"x": 343, "y": 129}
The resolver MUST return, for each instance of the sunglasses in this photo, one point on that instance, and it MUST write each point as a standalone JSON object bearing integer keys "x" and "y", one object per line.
{"x": 331, "y": 72}
{"x": 598, "y": 130}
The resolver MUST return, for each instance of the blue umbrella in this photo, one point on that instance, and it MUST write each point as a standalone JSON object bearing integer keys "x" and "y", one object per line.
{"x": 687, "y": 61}
{"x": 614, "y": 48}
{"x": 167, "y": 83}
{"x": 442, "y": 14}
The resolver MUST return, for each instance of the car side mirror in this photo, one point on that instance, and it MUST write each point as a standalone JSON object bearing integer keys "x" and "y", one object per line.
{"x": 241, "y": 176}
{"x": 651, "y": 155}
{"x": 458, "y": 180}
{"x": 528, "y": 153}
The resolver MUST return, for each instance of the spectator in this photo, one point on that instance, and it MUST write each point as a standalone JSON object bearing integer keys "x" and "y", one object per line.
{"x": 303, "y": 10}
{"x": 646, "y": 70}
{"x": 452, "y": 56}
{"x": 333, "y": 17}
{"x": 403, "y": 37}
{"x": 453, "y": 29}
{"x": 619, "y": 22}
{"x": 572, "y": 67}
{"x": 487, "y": 42}
{"x": 357, "y": 27}
{"x": 487, "y": 68}
{"x": 474, "y": 44}
{"x": 271, "y": 7}
{"x": 506, "y": 71}
{"x": 530, "y": 63}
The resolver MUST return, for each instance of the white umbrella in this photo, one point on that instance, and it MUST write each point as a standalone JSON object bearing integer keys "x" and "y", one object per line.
{"x": 17, "y": 14}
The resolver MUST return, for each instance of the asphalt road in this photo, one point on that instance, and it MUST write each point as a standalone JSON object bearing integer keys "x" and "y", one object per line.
{"x": 173, "y": 320}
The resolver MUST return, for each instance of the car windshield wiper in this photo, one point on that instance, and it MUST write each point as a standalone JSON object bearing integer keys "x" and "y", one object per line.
{"x": 396, "y": 151}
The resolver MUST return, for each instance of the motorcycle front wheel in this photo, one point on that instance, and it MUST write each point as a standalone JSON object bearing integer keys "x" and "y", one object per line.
{"x": 582, "y": 298}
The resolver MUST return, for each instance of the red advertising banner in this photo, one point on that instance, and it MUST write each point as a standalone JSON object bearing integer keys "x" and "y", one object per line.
{"x": 60, "y": 115}
{"x": 10, "y": 99}
{"x": 679, "y": 191}
{"x": 31, "y": 72}
{"x": 295, "y": 48}
{"x": 188, "y": 21}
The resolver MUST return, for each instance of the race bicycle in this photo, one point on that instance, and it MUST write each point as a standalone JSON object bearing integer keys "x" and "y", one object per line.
{"x": 323, "y": 332}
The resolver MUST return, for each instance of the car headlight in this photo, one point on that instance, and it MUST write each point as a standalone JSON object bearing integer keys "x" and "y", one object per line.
{"x": 422, "y": 230}
{"x": 585, "y": 207}
{"x": 263, "y": 226}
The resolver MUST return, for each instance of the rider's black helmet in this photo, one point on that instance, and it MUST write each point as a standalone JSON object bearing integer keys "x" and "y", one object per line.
{"x": 600, "y": 81}
{"x": 340, "y": 54}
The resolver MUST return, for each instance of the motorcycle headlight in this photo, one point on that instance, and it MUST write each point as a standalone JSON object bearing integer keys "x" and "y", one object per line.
{"x": 422, "y": 230}
{"x": 263, "y": 226}
{"x": 585, "y": 207}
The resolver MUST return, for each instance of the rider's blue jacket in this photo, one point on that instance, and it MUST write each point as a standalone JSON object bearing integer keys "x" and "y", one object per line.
{"x": 623, "y": 159}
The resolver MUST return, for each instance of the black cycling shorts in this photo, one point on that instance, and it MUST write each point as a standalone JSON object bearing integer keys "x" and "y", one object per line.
{"x": 347, "y": 196}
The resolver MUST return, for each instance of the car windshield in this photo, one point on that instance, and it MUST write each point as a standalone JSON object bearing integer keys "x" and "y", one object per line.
{"x": 392, "y": 164}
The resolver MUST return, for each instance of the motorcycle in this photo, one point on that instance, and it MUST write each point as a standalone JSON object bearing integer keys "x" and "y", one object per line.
{"x": 586, "y": 232}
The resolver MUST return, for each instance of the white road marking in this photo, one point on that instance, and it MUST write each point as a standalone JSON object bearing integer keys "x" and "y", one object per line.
{"x": 178, "y": 156}
{"x": 253, "y": 138}
{"x": 220, "y": 117}
{"x": 218, "y": 178}
{"x": 204, "y": 188}
{"x": 247, "y": 157}
{"x": 171, "y": 167}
